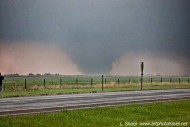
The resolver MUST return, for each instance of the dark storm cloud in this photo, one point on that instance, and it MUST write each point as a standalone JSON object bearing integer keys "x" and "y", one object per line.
{"x": 96, "y": 32}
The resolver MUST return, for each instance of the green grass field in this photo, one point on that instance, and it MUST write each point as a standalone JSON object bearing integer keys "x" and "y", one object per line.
{"x": 14, "y": 86}
{"x": 178, "y": 111}
{"x": 86, "y": 80}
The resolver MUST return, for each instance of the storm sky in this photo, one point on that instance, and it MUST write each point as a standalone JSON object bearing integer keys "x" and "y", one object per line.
{"x": 96, "y": 36}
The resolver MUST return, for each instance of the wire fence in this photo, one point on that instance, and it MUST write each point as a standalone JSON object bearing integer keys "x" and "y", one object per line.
{"x": 15, "y": 83}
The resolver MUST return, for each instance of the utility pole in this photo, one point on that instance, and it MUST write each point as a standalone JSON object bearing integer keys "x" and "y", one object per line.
{"x": 142, "y": 68}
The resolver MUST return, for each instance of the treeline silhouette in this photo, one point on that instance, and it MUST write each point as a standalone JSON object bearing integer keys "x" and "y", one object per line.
{"x": 31, "y": 74}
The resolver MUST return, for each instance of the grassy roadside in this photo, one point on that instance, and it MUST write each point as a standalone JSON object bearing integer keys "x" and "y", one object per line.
{"x": 178, "y": 111}
{"x": 56, "y": 91}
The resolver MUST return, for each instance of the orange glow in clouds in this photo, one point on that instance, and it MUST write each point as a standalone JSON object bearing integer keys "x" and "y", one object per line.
{"x": 24, "y": 58}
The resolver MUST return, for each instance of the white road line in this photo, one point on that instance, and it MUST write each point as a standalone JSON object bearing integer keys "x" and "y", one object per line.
{"x": 20, "y": 99}
{"x": 70, "y": 105}
{"x": 85, "y": 102}
{"x": 50, "y": 104}
{"x": 89, "y": 100}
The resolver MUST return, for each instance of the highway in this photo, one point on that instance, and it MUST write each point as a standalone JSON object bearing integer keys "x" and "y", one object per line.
{"x": 56, "y": 103}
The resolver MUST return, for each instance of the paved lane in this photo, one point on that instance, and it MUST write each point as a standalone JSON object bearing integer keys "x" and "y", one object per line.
{"x": 26, "y": 105}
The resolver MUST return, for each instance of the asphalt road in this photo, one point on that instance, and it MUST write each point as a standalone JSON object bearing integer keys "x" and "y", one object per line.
{"x": 28, "y": 105}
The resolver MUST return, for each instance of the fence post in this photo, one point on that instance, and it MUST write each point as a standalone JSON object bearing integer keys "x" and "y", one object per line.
{"x": 142, "y": 69}
{"x": 161, "y": 80}
{"x": 118, "y": 81}
{"x": 151, "y": 80}
{"x": 188, "y": 80}
{"x": 25, "y": 83}
{"x": 102, "y": 82}
{"x": 44, "y": 83}
{"x": 91, "y": 82}
{"x": 77, "y": 82}
{"x": 60, "y": 82}
{"x": 179, "y": 80}
{"x": 4, "y": 85}
{"x": 129, "y": 81}
{"x": 170, "y": 80}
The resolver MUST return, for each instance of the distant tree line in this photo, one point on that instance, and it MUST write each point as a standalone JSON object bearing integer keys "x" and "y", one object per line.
{"x": 31, "y": 74}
